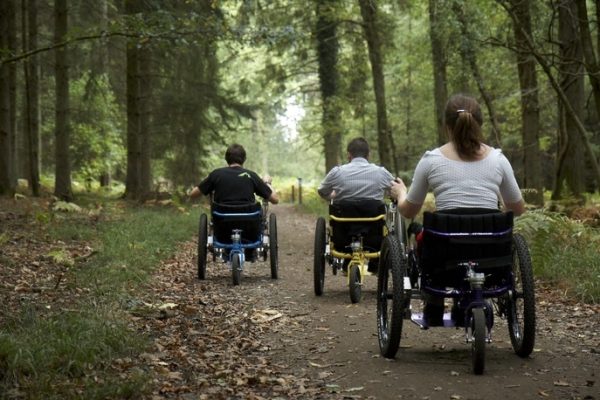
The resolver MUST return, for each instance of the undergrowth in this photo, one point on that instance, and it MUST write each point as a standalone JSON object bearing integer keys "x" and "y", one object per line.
{"x": 564, "y": 252}
{"x": 47, "y": 353}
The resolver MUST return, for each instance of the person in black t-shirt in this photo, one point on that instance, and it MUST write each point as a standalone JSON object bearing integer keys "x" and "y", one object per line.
{"x": 234, "y": 184}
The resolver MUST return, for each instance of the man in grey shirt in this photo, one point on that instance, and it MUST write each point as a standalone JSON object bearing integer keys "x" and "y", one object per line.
{"x": 358, "y": 179}
{"x": 356, "y": 190}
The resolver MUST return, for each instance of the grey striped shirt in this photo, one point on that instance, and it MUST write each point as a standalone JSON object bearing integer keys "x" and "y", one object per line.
{"x": 460, "y": 184}
{"x": 356, "y": 180}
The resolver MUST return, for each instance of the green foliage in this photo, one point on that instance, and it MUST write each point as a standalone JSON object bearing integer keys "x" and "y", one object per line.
{"x": 97, "y": 140}
{"x": 52, "y": 353}
{"x": 51, "y": 356}
{"x": 564, "y": 251}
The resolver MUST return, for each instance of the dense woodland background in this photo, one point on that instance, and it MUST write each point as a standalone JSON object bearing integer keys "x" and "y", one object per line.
{"x": 148, "y": 92}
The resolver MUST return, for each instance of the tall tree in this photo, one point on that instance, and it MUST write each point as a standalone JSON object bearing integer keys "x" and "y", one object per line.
{"x": 32, "y": 114}
{"x": 12, "y": 82}
{"x": 591, "y": 63}
{"x": 530, "y": 113}
{"x": 145, "y": 91}
{"x": 133, "y": 179}
{"x": 327, "y": 54}
{"x": 368, "y": 9}
{"x": 6, "y": 160}
{"x": 439, "y": 59}
{"x": 62, "y": 182}
{"x": 571, "y": 161}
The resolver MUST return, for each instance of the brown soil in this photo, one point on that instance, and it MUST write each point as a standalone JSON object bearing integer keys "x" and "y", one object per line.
{"x": 274, "y": 339}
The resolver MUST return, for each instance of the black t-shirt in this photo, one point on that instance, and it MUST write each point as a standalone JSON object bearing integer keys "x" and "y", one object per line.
{"x": 234, "y": 185}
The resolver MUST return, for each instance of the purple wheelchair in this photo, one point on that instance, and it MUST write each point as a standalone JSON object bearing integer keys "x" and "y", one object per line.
{"x": 469, "y": 256}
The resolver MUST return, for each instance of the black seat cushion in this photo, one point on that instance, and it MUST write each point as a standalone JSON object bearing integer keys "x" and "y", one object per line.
{"x": 452, "y": 237}
{"x": 223, "y": 226}
{"x": 343, "y": 232}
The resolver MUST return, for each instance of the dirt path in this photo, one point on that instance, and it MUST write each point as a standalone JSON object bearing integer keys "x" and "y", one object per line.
{"x": 288, "y": 343}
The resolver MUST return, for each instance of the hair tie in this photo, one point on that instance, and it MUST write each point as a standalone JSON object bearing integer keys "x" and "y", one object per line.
{"x": 459, "y": 111}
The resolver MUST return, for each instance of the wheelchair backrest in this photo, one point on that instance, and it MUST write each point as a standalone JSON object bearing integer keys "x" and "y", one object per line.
{"x": 453, "y": 237}
{"x": 344, "y": 231}
{"x": 227, "y": 217}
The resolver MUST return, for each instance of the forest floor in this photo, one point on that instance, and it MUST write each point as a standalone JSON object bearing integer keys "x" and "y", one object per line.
{"x": 268, "y": 339}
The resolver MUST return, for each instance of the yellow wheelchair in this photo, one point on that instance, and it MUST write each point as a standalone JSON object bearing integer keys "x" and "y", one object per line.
{"x": 351, "y": 242}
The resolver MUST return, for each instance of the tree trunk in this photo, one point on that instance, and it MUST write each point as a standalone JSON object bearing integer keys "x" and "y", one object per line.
{"x": 530, "y": 113}
{"x": 145, "y": 88}
{"x": 133, "y": 180}
{"x": 571, "y": 82}
{"x": 32, "y": 117}
{"x": 368, "y": 9}
{"x": 591, "y": 64}
{"x": 327, "y": 53}
{"x": 12, "y": 84}
{"x": 105, "y": 176}
{"x": 6, "y": 181}
{"x": 62, "y": 186}
{"x": 440, "y": 91}
{"x": 568, "y": 108}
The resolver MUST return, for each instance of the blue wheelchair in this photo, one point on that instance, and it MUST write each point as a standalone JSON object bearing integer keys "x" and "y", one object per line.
{"x": 238, "y": 234}
{"x": 470, "y": 256}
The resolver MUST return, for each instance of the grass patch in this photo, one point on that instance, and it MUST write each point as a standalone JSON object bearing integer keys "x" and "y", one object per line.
{"x": 564, "y": 251}
{"x": 65, "y": 355}
{"x": 49, "y": 354}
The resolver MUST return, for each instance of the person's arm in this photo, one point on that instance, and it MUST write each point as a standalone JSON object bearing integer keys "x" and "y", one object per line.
{"x": 517, "y": 208}
{"x": 399, "y": 192}
{"x": 325, "y": 189}
{"x": 272, "y": 197}
{"x": 509, "y": 189}
{"x": 195, "y": 192}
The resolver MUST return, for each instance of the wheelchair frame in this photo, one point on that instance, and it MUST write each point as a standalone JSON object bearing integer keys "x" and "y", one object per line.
{"x": 266, "y": 245}
{"x": 324, "y": 251}
{"x": 399, "y": 281}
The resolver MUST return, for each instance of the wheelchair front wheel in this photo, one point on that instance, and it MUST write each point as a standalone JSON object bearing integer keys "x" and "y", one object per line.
{"x": 202, "y": 246}
{"x": 521, "y": 305}
{"x": 319, "y": 256}
{"x": 273, "y": 246}
{"x": 392, "y": 299}
{"x": 355, "y": 284}
{"x": 479, "y": 329}
{"x": 236, "y": 269}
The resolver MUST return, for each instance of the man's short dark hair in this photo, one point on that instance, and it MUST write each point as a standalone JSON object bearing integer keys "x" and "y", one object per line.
{"x": 235, "y": 154}
{"x": 358, "y": 147}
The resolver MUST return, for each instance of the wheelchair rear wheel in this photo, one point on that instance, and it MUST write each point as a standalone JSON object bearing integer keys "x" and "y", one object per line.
{"x": 479, "y": 329}
{"x": 236, "y": 268}
{"x": 202, "y": 246}
{"x": 319, "y": 260}
{"x": 273, "y": 246}
{"x": 521, "y": 305}
{"x": 355, "y": 284}
{"x": 392, "y": 299}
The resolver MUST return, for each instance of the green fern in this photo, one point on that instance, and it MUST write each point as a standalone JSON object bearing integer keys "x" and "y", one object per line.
{"x": 563, "y": 251}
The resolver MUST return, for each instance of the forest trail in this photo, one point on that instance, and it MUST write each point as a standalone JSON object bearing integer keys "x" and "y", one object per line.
{"x": 326, "y": 347}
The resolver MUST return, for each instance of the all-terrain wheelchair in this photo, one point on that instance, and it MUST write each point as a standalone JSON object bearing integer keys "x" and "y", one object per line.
{"x": 472, "y": 257}
{"x": 350, "y": 243}
{"x": 236, "y": 234}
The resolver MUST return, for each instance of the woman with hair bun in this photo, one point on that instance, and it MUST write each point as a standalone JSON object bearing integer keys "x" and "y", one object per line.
{"x": 463, "y": 173}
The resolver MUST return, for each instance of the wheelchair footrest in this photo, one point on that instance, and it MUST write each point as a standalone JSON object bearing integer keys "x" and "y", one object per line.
{"x": 419, "y": 320}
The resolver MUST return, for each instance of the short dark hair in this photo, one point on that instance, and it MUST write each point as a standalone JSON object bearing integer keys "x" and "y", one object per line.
{"x": 235, "y": 154}
{"x": 358, "y": 147}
